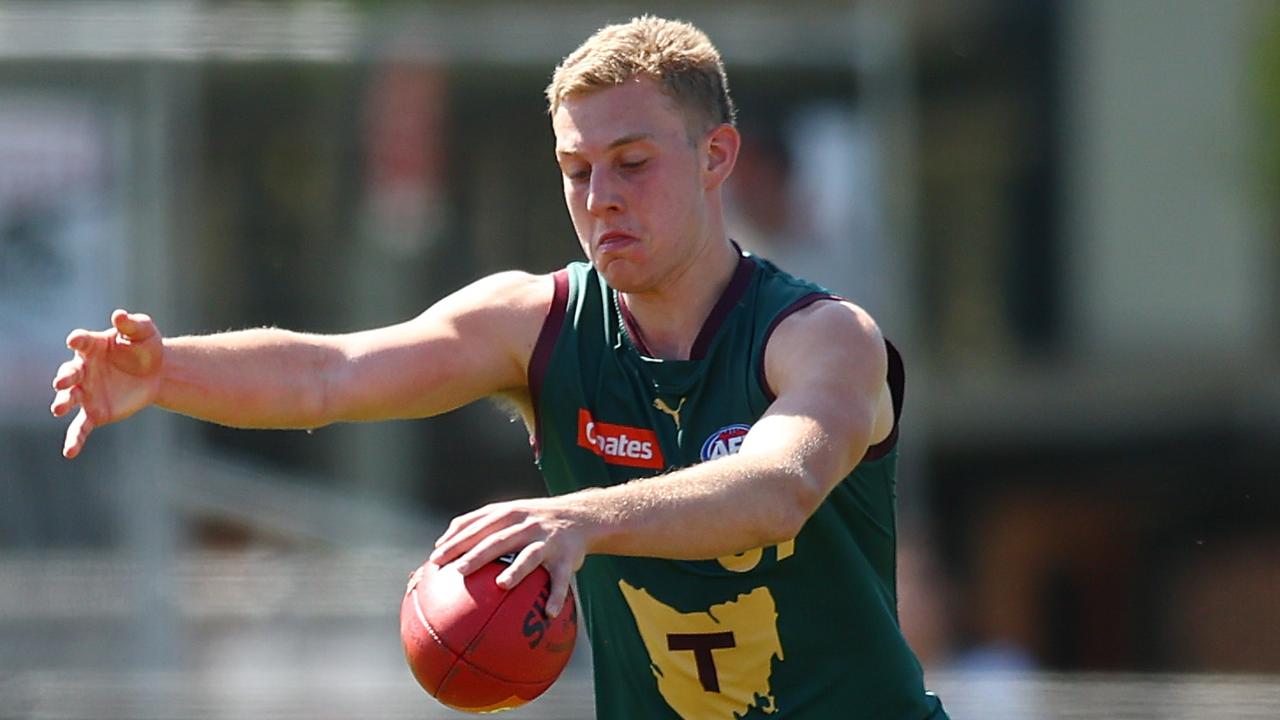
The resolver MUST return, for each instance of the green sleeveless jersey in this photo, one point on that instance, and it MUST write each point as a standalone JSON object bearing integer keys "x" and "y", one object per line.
{"x": 804, "y": 629}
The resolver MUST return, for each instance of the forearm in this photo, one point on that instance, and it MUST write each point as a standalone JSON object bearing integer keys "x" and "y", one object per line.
{"x": 261, "y": 378}
{"x": 702, "y": 512}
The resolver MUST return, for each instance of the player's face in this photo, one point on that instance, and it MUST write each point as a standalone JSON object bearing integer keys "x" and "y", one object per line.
{"x": 632, "y": 182}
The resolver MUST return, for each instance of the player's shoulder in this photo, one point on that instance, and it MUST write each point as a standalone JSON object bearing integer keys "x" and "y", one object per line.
{"x": 514, "y": 284}
{"x": 829, "y": 321}
{"x": 514, "y": 292}
{"x": 832, "y": 338}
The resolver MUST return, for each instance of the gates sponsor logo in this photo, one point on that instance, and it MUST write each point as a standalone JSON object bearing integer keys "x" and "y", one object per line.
{"x": 724, "y": 441}
{"x": 619, "y": 444}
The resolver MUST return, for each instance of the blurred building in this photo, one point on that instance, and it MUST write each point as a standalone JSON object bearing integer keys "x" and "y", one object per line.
{"x": 1060, "y": 211}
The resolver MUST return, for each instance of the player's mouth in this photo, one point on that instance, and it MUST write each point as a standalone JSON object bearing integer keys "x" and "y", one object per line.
{"x": 615, "y": 240}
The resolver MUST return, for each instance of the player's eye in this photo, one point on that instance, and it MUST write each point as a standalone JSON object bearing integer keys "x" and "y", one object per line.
{"x": 634, "y": 164}
{"x": 577, "y": 174}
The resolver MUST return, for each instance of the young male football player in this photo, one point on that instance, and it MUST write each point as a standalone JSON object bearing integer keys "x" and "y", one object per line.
{"x": 719, "y": 438}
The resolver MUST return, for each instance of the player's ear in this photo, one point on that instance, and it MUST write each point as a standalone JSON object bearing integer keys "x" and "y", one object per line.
{"x": 723, "y": 143}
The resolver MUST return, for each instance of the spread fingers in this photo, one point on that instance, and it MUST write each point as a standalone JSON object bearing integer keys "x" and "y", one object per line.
{"x": 63, "y": 402}
{"x": 77, "y": 434}
{"x": 68, "y": 374}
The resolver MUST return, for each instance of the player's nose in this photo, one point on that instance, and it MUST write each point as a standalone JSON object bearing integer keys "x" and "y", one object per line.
{"x": 603, "y": 195}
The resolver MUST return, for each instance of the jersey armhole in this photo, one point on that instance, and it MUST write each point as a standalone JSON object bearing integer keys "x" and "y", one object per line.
{"x": 545, "y": 347}
{"x": 786, "y": 312}
{"x": 896, "y": 375}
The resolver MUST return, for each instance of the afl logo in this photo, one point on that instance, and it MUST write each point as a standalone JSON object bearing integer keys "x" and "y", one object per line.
{"x": 724, "y": 441}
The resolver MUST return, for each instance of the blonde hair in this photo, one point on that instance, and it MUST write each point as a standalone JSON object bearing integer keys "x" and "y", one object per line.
{"x": 676, "y": 54}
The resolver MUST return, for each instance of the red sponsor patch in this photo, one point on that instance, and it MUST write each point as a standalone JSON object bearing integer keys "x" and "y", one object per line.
{"x": 619, "y": 444}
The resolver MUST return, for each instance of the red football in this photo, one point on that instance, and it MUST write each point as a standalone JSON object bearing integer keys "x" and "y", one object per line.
{"x": 476, "y": 647}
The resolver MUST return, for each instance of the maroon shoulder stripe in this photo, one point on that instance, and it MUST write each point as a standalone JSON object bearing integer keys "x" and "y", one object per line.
{"x": 543, "y": 349}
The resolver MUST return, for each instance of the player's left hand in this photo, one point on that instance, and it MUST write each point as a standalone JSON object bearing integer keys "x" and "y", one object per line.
{"x": 539, "y": 531}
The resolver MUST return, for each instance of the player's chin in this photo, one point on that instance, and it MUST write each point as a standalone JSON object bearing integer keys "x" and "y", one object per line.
{"x": 622, "y": 275}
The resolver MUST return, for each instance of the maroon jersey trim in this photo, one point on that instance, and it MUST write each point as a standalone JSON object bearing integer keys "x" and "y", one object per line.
{"x": 633, "y": 328}
{"x": 897, "y": 377}
{"x": 732, "y": 294}
{"x": 544, "y": 348}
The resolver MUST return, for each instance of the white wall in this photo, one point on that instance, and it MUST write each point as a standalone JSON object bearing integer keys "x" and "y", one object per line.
{"x": 1168, "y": 253}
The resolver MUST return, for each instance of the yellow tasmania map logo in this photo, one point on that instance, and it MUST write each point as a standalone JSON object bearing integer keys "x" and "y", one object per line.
{"x": 712, "y": 664}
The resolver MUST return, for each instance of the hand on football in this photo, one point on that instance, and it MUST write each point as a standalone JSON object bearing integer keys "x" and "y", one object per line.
{"x": 537, "y": 531}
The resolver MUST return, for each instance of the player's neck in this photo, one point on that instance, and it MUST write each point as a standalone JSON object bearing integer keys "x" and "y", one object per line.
{"x": 670, "y": 319}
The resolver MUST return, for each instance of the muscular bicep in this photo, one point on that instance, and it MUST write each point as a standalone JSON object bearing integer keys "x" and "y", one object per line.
{"x": 474, "y": 343}
{"x": 827, "y": 367}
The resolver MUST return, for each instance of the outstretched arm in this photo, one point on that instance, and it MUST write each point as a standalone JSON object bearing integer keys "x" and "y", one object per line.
{"x": 827, "y": 365}
{"x": 473, "y": 343}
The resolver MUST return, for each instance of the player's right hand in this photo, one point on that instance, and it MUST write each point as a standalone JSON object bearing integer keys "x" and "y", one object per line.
{"x": 114, "y": 374}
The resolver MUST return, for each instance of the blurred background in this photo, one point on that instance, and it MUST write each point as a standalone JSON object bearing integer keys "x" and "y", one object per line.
{"x": 1066, "y": 214}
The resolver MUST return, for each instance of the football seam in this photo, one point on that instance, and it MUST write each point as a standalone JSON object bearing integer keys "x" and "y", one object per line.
{"x": 417, "y": 609}
{"x": 483, "y": 671}
{"x": 480, "y": 634}
{"x": 460, "y": 656}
